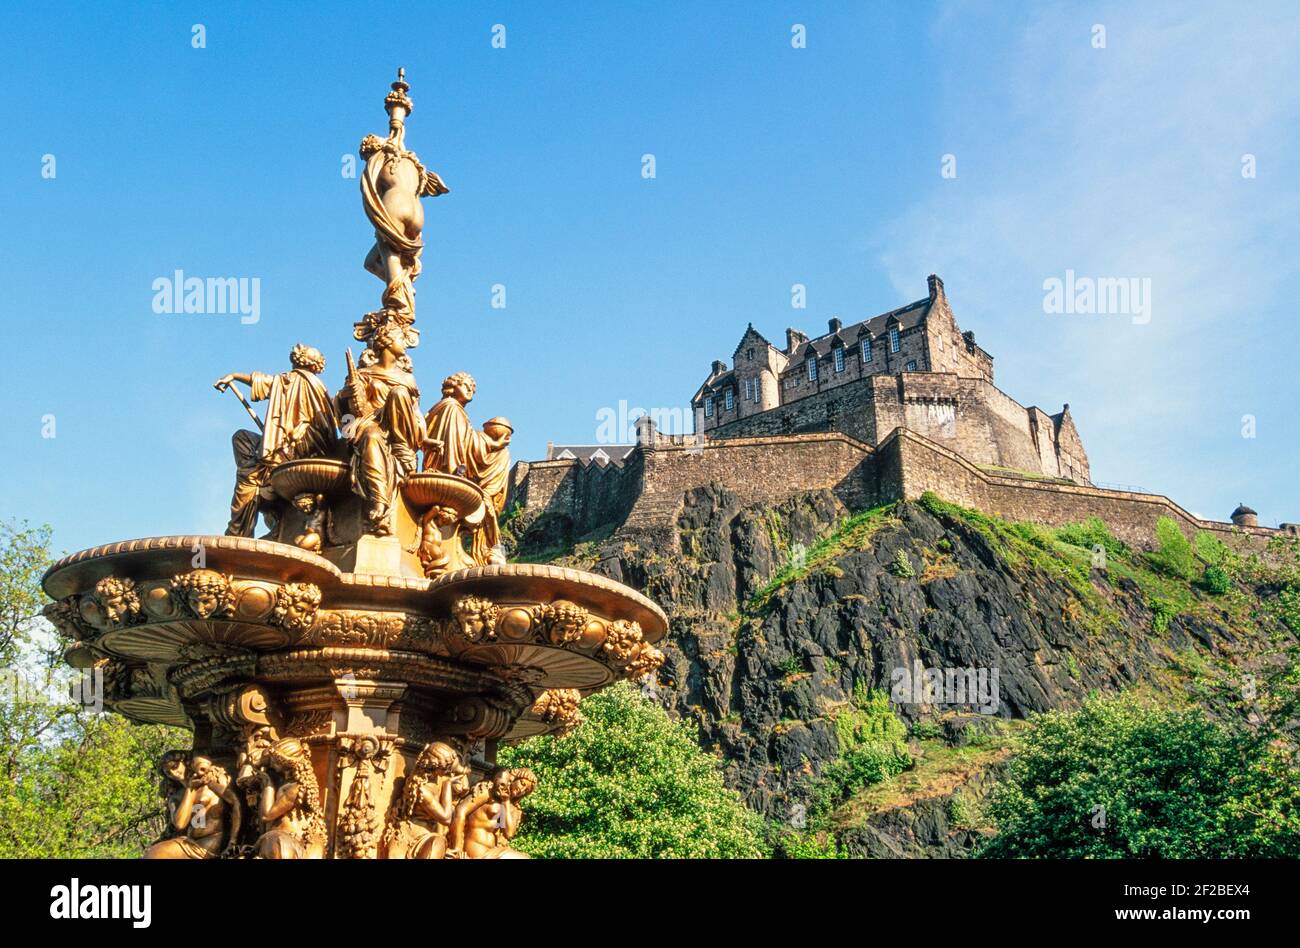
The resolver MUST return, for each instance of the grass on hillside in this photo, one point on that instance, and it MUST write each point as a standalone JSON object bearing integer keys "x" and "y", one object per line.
{"x": 852, "y": 533}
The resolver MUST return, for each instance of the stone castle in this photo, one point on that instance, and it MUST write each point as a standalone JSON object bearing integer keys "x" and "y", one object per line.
{"x": 912, "y": 367}
{"x": 882, "y": 409}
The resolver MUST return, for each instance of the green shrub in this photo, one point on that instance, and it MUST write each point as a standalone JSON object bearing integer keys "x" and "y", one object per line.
{"x": 1211, "y": 549}
{"x": 1174, "y": 554}
{"x": 1214, "y": 580}
{"x": 630, "y": 782}
{"x": 1116, "y": 779}
{"x": 1090, "y": 534}
{"x": 1162, "y": 613}
{"x": 873, "y": 748}
{"x": 902, "y": 565}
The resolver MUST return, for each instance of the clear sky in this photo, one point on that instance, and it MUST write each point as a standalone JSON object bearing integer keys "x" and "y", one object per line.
{"x": 774, "y": 165}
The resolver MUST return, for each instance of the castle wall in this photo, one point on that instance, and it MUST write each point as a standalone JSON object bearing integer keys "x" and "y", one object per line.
{"x": 970, "y": 415}
{"x": 917, "y": 465}
{"x": 765, "y": 469}
{"x": 848, "y": 410}
{"x": 646, "y": 494}
{"x": 589, "y": 495}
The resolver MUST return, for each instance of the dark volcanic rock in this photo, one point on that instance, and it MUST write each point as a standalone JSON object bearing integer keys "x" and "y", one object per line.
{"x": 764, "y": 683}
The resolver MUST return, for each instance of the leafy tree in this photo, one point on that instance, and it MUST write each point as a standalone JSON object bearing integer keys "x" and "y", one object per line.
{"x": 630, "y": 782}
{"x": 75, "y": 783}
{"x": 1116, "y": 779}
{"x": 1174, "y": 555}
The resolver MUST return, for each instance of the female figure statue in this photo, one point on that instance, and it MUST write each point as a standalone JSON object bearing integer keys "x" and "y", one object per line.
{"x": 436, "y": 783}
{"x": 289, "y": 804}
{"x": 391, "y": 187}
{"x": 380, "y": 410}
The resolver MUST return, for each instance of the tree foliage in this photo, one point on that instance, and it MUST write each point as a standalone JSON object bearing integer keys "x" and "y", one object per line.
{"x": 76, "y": 783}
{"x": 630, "y": 782}
{"x": 1116, "y": 779}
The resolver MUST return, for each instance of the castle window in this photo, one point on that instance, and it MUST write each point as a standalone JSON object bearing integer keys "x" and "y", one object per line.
{"x": 812, "y": 368}
{"x": 894, "y": 342}
{"x": 839, "y": 358}
{"x": 866, "y": 348}
{"x": 729, "y": 399}
{"x": 708, "y": 406}
{"x": 749, "y": 354}
{"x": 911, "y": 366}
{"x": 749, "y": 390}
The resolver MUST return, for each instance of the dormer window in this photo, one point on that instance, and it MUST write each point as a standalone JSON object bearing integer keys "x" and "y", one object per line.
{"x": 866, "y": 348}
{"x": 894, "y": 342}
{"x": 839, "y": 358}
{"x": 729, "y": 398}
{"x": 708, "y": 406}
{"x": 812, "y": 368}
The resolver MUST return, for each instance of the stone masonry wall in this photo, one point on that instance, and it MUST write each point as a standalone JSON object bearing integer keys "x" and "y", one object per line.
{"x": 923, "y": 465}
{"x": 646, "y": 493}
{"x": 972, "y": 416}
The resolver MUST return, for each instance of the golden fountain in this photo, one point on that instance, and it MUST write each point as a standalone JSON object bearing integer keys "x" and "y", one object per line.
{"x": 349, "y": 675}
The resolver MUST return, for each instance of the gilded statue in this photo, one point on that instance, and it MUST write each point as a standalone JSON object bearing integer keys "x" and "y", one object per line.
{"x": 454, "y": 446}
{"x": 379, "y": 405}
{"x": 299, "y": 423}
{"x": 488, "y": 818}
{"x": 315, "y": 530}
{"x": 391, "y": 187}
{"x": 419, "y": 825}
{"x": 201, "y": 807}
{"x": 289, "y": 803}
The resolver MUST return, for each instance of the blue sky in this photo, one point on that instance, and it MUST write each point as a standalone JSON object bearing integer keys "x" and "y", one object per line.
{"x": 774, "y": 166}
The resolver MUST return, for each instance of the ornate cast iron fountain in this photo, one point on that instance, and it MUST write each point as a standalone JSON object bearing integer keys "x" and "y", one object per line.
{"x": 349, "y": 675}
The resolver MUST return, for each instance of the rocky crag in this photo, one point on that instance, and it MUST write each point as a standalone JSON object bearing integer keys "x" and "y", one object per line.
{"x": 785, "y": 617}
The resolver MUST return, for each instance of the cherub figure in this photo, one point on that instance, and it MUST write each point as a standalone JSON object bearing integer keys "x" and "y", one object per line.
{"x": 314, "y": 532}
{"x": 200, "y": 804}
{"x": 488, "y": 818}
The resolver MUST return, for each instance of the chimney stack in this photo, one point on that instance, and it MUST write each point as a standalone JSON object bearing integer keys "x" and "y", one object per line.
{"x": 793, "y": 339}
{"x": 936, "y": 287}
{"x": 835, "y": 324}
{"x": 719, "y": 367}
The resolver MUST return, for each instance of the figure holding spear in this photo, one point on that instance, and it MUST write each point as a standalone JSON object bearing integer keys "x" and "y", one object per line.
{"x": 299, "y": 423}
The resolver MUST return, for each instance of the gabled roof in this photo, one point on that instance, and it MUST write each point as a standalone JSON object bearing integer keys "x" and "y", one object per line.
{"x": 590, "y": 453}
{"x": 751, "y": 331}
{"x": 714, "y": 382}
{"x": 913, "y": 314}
